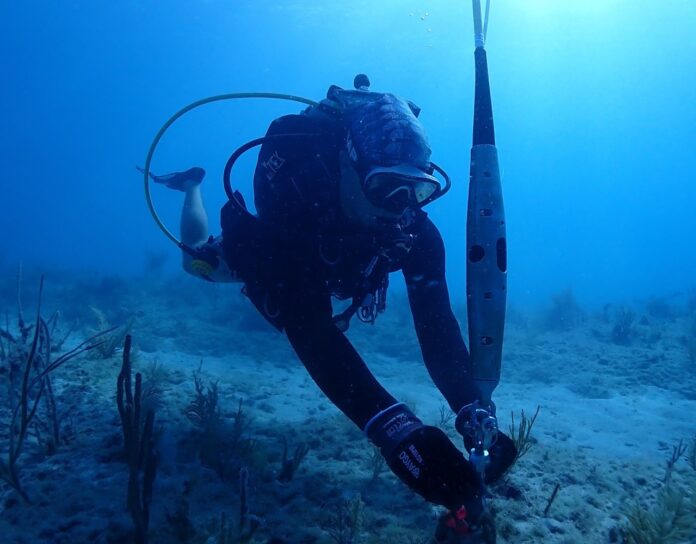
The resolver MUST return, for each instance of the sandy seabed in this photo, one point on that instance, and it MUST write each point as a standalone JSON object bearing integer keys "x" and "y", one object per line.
{"x": 610, "y": 417}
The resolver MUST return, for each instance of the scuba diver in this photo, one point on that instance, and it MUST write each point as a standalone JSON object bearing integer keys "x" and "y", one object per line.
{"x": 339, "y": 191}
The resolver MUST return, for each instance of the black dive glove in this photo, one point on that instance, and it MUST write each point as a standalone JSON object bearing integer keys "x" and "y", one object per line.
{"x": 502, "y": 450}
{"x": 426, "y": 460}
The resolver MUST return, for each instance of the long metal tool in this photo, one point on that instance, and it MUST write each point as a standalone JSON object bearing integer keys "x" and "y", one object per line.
{"x": 486, "y": 246}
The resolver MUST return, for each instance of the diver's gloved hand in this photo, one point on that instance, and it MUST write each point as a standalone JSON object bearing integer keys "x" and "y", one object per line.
{"x": 426, "y": 460}
{"x": 478, "y": 425}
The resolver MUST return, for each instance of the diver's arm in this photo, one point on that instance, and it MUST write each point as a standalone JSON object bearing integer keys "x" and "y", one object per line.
{"x": 439, "y": 335}
{"x": 444, "y": 351}
{"x": 329, "y": 357}
{"x": 420, "y": 455}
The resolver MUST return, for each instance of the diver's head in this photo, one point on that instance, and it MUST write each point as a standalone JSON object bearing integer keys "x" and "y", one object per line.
{"x": 390, "y": 155}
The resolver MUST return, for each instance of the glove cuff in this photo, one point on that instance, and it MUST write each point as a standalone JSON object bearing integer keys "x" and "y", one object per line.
{"x": 388, "y": 428}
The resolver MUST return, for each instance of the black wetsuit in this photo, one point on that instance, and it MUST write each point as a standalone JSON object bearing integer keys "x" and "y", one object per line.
{"x": 290, "y": 279}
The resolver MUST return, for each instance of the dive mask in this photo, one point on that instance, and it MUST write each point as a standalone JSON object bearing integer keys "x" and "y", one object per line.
{"x": 395, "y": 188}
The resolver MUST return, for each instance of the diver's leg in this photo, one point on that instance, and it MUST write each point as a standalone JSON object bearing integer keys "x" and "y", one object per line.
{"x": 329, "y": 357}
{"x": 194, "y": 219}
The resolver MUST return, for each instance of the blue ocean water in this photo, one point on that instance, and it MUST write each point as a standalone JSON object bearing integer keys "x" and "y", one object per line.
{"x": 595, "y": 114}
{"x": 594, "y": 105}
